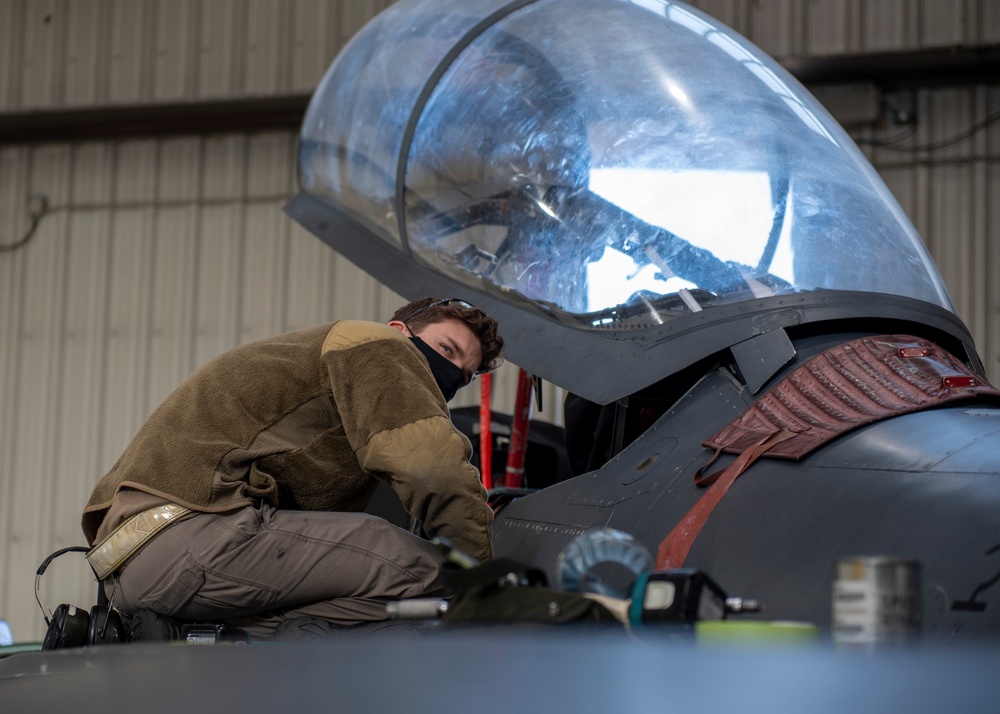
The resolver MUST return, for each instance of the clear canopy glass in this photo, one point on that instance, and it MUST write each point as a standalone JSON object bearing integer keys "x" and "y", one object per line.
{"x": 601, "y": 158}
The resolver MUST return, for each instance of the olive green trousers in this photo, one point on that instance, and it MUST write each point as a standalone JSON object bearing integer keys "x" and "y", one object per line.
{"x": 258, "y": 566}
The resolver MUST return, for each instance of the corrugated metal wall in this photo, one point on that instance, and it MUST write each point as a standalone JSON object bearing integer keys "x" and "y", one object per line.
{"x": 787, "y": 28}
{"x": 72, "y": 53}
{"x": 81, "y": 53}
{"x": 157, "y": 254}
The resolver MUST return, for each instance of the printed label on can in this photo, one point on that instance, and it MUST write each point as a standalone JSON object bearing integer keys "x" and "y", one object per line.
{"x": 854, "y": 612}
{"x": 876, "y": 600}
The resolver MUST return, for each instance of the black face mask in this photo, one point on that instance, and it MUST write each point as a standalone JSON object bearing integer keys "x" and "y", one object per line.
{"x": 449, "y": 377}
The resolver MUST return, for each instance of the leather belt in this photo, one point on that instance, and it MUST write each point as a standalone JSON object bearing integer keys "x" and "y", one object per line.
{"x": 126, "y": 540}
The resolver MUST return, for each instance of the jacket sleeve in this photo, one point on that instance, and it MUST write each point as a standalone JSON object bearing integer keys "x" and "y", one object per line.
{"x": 397, "y": 423}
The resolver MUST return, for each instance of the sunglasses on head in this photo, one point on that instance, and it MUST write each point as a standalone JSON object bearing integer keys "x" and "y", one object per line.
{"x": 437, "y": 303}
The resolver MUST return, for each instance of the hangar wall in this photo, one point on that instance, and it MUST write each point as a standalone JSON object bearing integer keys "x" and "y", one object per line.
{"x": 157, "y": 253}
{"x": 73, "y": 53}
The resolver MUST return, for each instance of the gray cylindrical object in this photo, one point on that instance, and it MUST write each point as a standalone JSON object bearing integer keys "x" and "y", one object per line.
{"x": 416, "y": 609}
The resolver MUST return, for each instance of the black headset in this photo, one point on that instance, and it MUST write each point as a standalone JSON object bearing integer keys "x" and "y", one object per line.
{"x": 69, "y": 626}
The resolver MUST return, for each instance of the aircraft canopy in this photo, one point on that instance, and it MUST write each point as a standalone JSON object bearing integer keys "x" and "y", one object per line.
{"x": 616, "y": 163}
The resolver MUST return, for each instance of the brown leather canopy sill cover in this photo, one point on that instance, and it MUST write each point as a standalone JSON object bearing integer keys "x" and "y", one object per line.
{"x": 848, "y": 386}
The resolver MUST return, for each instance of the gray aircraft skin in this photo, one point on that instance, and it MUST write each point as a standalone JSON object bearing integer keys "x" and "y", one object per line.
{"x": 667, "y": 223}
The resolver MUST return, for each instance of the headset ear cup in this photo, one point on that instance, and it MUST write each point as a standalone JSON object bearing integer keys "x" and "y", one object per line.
{"x": 54, "y": 632}
{"x": 105, "y": 626}
{"x": 69, "y": 627}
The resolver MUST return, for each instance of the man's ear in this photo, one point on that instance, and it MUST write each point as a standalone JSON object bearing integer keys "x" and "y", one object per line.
{"x": 401, "y": 326}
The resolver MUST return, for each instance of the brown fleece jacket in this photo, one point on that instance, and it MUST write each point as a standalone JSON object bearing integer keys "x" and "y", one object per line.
{"x": 309, "y": 420}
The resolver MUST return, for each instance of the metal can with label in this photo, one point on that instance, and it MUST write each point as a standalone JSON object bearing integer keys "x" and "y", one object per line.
{"x": 876, "y": 600}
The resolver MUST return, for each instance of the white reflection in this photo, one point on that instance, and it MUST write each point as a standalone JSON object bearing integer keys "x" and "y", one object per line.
{"x": 656, "y": 6}
{"x": 686, "y": 19}
{"x": 731, "y": 47}
{"x": 615, "y": 277}
{"x": 808, "y": 118}
{"x": 728, "y": 212}
{"x": 679, "y": 94}
{"x": 769, "y": 78}
{"x": 782, "y": 264}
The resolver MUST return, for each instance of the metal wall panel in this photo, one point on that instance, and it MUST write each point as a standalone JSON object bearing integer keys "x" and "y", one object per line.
{"x": 175, "y": 60}
{"x": 267, "y": 47}
{"x": 14, "y": 166}
{"x": 786, "y": 28}
{"x": 10, "y": 52}
{"x": 776, "y": 26}
{"x": 313, "y": 46}
{"x": 31, "y": 457}
{"x": 41, "y": 68}
{"x": 87, "y": 44}
{"x": 87, "y": 53}
{"x": 81, "y": 53}
{"x": 989, "y": 25}
{"x": 220, "y": 46}
{"x": 129, "y": 61}
{"x": 832, "y": 28}
{"x": 944, "y": 22}
{"x": 886, "y": 25}
{"x": 125, "y": 377}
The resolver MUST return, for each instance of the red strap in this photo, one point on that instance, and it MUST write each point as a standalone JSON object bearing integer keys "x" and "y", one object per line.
{"x": 486, "y": 430}
{"x": 705, "y": 482}
{"x": 514, "y": 475}
{"x": 675, "y": 547}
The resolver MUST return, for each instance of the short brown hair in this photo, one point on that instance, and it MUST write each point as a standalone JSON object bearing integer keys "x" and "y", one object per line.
{"x": 428, "y": 311}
